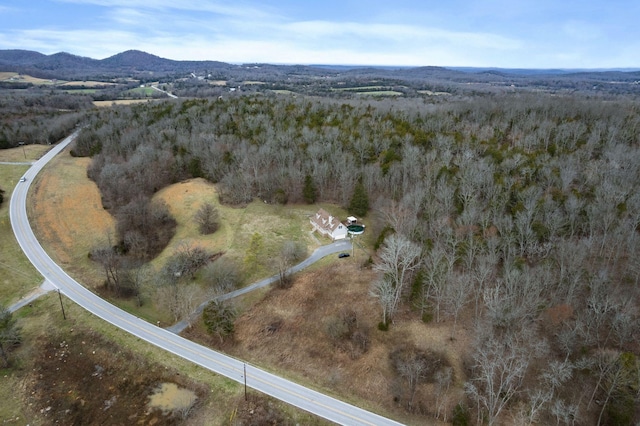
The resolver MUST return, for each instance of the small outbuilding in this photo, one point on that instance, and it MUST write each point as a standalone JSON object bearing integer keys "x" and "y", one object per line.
{"x": 328, "y": 225}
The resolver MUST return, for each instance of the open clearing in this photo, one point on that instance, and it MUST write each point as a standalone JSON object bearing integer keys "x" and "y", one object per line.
{"x": 24, "y": 78}
{"x": 276, "y": 224}
{"x": 21, "y": 154}
{"x": 144, "y": 91}
{"x": 6, "y": 75}
{"x": 70, "y": 219}
{"x": 282, "y": 330}
{"x": 381, "y": 93}
{"x": 88, "y": 83}
{"x": 121, "y": 102}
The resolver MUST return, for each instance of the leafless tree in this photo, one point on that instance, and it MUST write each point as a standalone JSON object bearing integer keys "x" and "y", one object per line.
{"x": 564, "y": 412}
{"x": 180, "y": 300}
{"x": 414, "y": 366}
{"x": 185, "y": 261}
{"x": 482, "y": 272}
{"x": 136, "y": 277}
{"x": 400, "y": 215}
{"x": 514, "y": 299}
{"x": 207, "y": 219}
{"x": 436, "y": 276}
{"x": 444, "y": 379}
{"x": 222, "y": 275}
{"x": 290, "y": 253}
{"x": 383, "y": 290}
{"x": 456, "y": 295}
{"x": 498, "y": 371}
{"x": 111, "y": 260}
{"x": 399, "y": 258}
{"x": 601, "y": 307}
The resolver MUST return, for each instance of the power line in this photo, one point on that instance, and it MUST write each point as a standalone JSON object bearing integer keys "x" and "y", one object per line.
{"x": 17, "y": 271}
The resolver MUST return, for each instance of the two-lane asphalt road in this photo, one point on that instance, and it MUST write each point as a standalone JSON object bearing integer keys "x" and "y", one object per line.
{"x": 285, "y": 390}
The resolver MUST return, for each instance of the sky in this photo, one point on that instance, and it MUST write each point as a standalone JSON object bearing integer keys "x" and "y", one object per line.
{"x": 474, "y": 33}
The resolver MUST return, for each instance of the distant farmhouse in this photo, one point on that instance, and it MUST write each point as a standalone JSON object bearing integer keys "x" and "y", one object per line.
{"x": 328, "y": 225}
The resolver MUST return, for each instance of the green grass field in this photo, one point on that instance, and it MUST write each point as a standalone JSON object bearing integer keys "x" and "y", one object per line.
{"x": 381, "y": 93}
{"x": 359, "y": 89}
{"x": 369, "y": 90}
{"x": 145, "y": 91}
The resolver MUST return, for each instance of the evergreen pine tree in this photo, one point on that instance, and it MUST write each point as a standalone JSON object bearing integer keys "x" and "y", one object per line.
{"x": 359, "y": 204}
{"x": 309, "y": 192}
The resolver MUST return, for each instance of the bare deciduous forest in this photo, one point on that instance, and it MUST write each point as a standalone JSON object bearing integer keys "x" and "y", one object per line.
{"x": 32, "y": 117}
{"x": 522, "y": 209}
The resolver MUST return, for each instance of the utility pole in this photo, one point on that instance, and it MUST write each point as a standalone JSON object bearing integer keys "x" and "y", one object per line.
{"x": 23, "y": 151}
{"x": 245, "y": 381}
{"x": 61, "y": 305}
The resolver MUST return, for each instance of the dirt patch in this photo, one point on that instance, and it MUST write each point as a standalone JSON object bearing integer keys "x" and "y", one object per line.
{"x": 169, "y": 398}
{"x": 80, "y": 378}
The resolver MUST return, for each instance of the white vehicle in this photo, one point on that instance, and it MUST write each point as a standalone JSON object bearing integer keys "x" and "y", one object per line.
{"x": 23, "y": 179}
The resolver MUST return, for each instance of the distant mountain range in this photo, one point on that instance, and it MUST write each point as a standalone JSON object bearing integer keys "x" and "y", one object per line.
{"x": 131, "y": 62}
{"x": 134, "y": 63}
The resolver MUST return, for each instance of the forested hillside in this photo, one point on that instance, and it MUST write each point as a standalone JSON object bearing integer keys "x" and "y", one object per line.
{"x": 522, "y": 210}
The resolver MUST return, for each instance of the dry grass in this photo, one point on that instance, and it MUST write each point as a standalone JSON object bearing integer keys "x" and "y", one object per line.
{"x": 26, "y": 78}
{"x": 7, "y": 75}
{"x": 27, "y": 153}
{"x": 121, "y": 102}
{"x": 67, "y": 215}
{"x": 88, "y": 83}
{"x": 302, "y": 349}
{"x": 275, "y": 224}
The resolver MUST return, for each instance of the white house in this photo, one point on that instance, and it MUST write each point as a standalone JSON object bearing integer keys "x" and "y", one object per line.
{"x": 328, "y": 225}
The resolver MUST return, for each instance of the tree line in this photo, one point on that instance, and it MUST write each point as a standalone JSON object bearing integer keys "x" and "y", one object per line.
{"x": 519, "y": 211}
{"x": 37, "y": 116}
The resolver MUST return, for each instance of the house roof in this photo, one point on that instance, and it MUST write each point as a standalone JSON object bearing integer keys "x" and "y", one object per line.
{"x": 325, "y": 221}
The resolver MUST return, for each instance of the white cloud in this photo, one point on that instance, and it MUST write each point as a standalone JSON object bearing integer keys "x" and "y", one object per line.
{"x": 237, "y": 9}
{"x": 93, "y": 44}
{"x": 251, "y": 31}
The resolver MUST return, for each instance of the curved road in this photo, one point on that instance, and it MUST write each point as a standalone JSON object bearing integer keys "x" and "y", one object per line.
{"x": 277, "y": 387}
